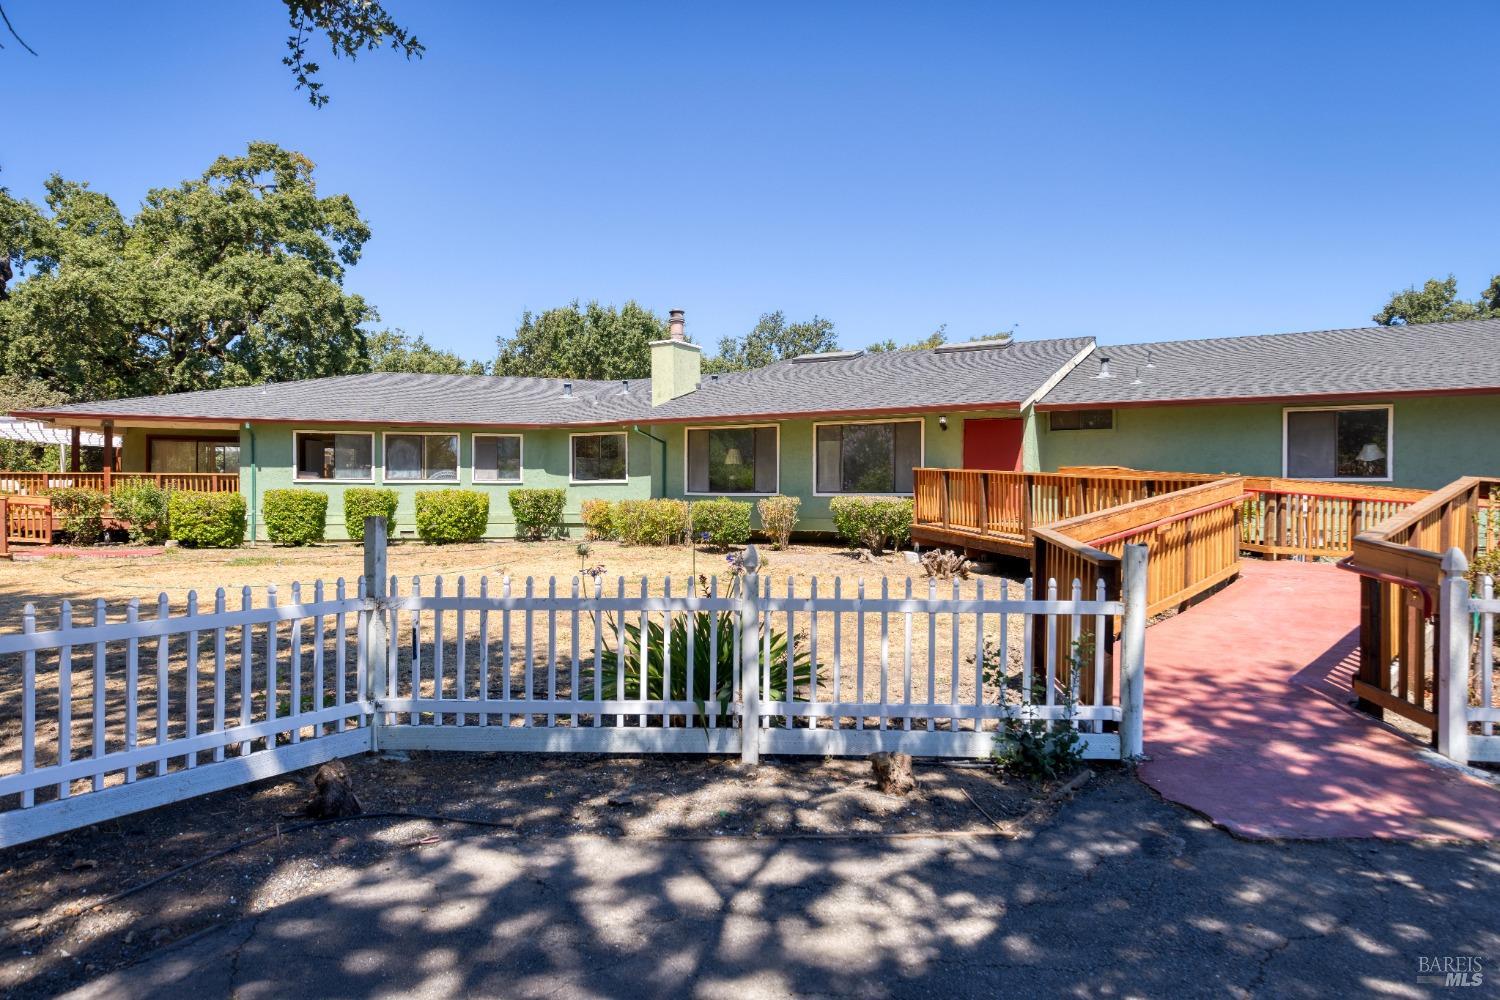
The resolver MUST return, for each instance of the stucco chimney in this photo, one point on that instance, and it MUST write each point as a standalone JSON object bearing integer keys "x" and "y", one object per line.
{"x": 676, "y": 365}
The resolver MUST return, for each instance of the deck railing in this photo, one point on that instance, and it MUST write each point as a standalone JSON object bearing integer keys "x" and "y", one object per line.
{"x": 38, "y": 484}
{"x": 1400, "y": 560}
{"x": 1290, "y": 517}
{"x": 954, "y": 504}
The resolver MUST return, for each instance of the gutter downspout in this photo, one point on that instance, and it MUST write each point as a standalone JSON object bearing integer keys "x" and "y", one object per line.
{"x": 250, "y": 431}
{"x": 637, "y": 429}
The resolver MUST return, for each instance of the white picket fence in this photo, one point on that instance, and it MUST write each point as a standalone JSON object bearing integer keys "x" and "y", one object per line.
{"x": 1466, "y": 705}
{"x": 118, "y": 716}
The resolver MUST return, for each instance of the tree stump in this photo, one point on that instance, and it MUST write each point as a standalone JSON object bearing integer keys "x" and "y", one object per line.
{"x": 333, "y": 793}
{"x": 892, "y": 772}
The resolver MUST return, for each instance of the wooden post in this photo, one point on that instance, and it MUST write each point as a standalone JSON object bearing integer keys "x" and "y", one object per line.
{"x": 5, "y": 527}
{"x": 984, "y": 503}
{"x": 376, "y": 648}
{"x": 1026, "y": 507}
{"x": 947, "y": 498}
{"x": 749, "y": 602}
{"x": 109, "y": 452}
{"x": 75, "y": 450}
{"x": 1133, "y": 653}
{"x": 1452, "y": 640}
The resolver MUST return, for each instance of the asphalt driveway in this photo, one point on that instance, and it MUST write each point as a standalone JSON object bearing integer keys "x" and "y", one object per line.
{"x": 1117, "y": 894}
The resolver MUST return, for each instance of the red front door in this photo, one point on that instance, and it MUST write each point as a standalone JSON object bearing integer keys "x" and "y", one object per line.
{"x": 993, "y": 443}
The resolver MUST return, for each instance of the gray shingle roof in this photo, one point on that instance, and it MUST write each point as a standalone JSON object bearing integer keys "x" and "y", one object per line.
{"x": 1433, "y": 357}
{"x": 991, "y": 376}
{"x": 1000, "y": 376}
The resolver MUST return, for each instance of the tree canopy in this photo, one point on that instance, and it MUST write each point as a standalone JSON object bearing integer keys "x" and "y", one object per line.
{"x": 937, "y": 338}
{"x": 232, "y": 278}
{"x": 582, "y": 342}
{"x": 350, "y": 26}
{"x": 1437, "y": 302}
{"x": 398, "y": 351}
{"x": 773, "y": 339}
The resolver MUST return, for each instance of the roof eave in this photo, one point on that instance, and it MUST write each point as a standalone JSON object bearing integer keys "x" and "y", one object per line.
{"x": 1122, "y": 404}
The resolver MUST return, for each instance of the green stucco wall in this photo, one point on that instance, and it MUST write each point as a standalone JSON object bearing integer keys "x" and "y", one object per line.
{"x": 544, "y": 463}
{"x": 1435, "y": 439}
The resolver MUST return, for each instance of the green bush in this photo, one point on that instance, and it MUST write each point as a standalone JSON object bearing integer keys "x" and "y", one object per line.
{"x": 651, "y": 522}
{"x": 872, "y": 522}
{"x": 725, "y": 523}
{"x": 538, "y": 513}
{"x": 207, "y": 520}
{"x": 142, "y": 506}
{"x": 452, "y": 515}
{"x": 82, "y": 512}
{"x": 778, "y": 516}
{"x": 361, "y": 502}
{"x": 295, "y": 517}
{"x": 599, "y": 520}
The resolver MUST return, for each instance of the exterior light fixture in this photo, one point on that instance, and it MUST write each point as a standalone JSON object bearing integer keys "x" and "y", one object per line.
{"x": 943, "y": 422}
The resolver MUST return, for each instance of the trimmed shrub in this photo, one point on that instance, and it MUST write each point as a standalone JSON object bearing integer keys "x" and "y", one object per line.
{"x": 778, "y": 516}
{"x": 82, "y": 512}
{"x": 362, "y": 502}
{"x": 599, "y": 520}
{"x": 872, "y": 522}
{"x": 143, "y": 507}
{"x": 538, "y": 513}
{"x": 295, "y": 517}
{"x": 207, "y": 520}
{"x": 724, "y": 522}
{"x": 651, "y": 522}
{"x": 452, "y": 515}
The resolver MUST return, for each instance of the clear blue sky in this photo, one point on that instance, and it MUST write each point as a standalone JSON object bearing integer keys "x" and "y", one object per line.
{"x": 1128, "y": 171}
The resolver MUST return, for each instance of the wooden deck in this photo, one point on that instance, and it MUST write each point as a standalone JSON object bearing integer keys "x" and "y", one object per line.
{"x": 26, "y": 514}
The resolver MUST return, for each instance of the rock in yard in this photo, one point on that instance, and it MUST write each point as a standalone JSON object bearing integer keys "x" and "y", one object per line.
{"x": 892, "y": 772}
{"x": 333, "y": 793}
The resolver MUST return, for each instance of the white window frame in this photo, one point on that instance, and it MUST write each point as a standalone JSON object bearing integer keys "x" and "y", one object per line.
{"x": 921, "y": 451}
{"x": 297, "y": 455}
{"x": 735, "y": 427}
{"x": 474, "y": 459}
{"x": 458, "y": 468}
{"x": 1390, "y": 442}
{"x": 573, "y": 480}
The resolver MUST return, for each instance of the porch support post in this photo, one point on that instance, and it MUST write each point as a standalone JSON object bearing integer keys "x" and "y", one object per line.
{"x": 109, "y": 452}
{"x": 749, "y": 609}
{"x": 1133, "y": 653}
{"x": 1453, "y": 635}
{"x": 376, "y": 647}
{"x": 75, "y": 451}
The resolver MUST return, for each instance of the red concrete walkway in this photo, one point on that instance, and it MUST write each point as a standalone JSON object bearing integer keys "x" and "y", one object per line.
{"x": 1249, "y": 720}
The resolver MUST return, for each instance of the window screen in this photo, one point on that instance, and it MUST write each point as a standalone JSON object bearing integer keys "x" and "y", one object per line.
{"x": 497, "y": 458}
{"x": 598, "y": 457}
{"x": 1081, "y": 420}
{"x": 431, "y": 457}
{"x": 732, "y": 460}
{"x": 1338, "y": 444}
{"x": 867, "y": 458}
{"x": 334, "y": 456}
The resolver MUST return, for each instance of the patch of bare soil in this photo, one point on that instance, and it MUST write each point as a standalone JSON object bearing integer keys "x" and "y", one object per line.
{"x": 55, "y": 934}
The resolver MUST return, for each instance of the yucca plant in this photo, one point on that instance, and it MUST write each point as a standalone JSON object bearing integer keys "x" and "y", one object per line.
{"x": 626, "y": 652}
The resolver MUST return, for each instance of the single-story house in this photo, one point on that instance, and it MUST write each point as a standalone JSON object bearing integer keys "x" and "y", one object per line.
{"x": 1412, "y": 406}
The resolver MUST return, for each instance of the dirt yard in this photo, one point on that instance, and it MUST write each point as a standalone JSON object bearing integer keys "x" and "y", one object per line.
{"x": 936, "y": 658}
{"x": 56, "y": 934}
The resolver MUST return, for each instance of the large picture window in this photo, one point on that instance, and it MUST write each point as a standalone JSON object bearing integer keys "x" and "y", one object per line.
{"x": 1353, "y": 443}
{"x": 423, "y": 457}
{"x": 598, "y": 458}
{"x": 497, "y": 458}
{"x": 190, "y": 455}
{"x": 333, "y": 456}
{"x": 867, "y": 458}
{"x": 732, "y": 460}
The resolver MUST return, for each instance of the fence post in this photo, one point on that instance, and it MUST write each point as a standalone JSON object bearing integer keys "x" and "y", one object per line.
{"x": 375, "y": 651}
{"x": 749, "y": 609}
{"x": 1133, "y": 652}
{"x": 1453, "y": 659}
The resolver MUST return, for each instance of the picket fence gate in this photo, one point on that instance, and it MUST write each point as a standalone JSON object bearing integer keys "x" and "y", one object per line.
{"x": 1466, "y": 685}
{"x": 121, "y": 716}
